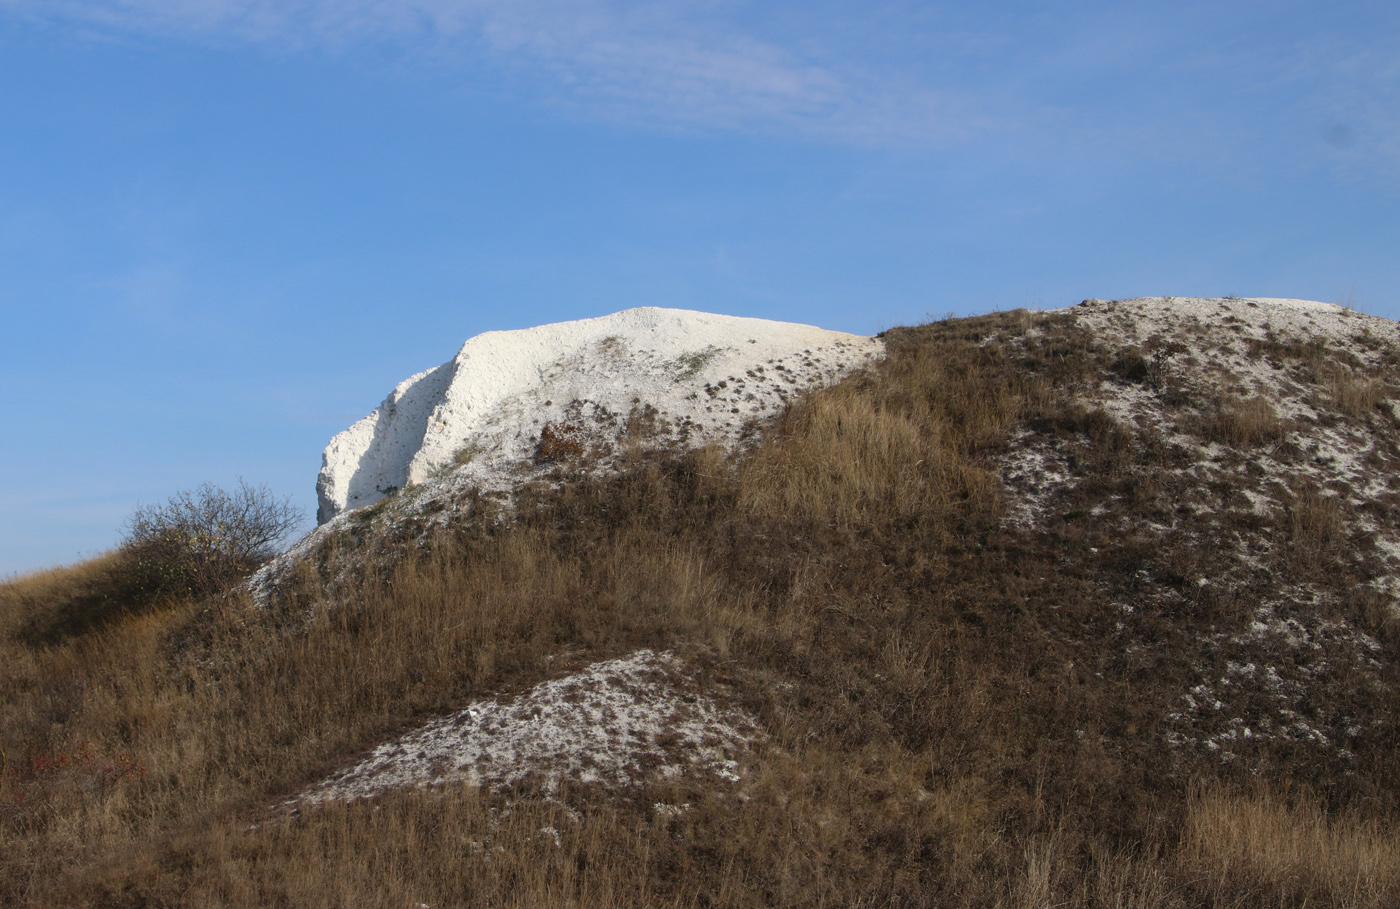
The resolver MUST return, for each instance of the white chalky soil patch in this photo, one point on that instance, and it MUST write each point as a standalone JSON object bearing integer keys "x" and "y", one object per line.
{"x": 619, "y": 722}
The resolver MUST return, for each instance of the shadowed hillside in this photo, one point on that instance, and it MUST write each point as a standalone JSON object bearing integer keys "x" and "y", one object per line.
{"x": 1090, "y": 608}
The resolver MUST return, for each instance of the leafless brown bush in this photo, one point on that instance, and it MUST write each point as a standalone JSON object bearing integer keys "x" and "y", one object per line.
{"x": 561, "y": 442}
{"x": 203, "y": 541}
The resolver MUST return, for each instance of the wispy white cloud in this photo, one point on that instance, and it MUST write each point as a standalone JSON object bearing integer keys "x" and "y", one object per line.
{"x": 1118, "y": 83}
{"x": 673, "y": 63}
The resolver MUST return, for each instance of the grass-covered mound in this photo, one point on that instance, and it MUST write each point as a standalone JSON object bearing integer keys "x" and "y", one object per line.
{"x": 958, "y": 709}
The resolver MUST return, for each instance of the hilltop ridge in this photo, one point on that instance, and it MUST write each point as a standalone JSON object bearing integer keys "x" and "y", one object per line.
{"x": 675, "y": 374}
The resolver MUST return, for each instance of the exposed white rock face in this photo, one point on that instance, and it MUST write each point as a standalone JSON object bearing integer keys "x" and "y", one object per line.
{"x": 687, "y": 375}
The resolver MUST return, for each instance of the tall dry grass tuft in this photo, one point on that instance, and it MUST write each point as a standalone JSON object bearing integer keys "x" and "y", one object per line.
{"x": 1244, "y": 423}
{"x": 1316, "y": 525}
{"x": 1351, "y": 391}
{"x": 1261, "y": 850}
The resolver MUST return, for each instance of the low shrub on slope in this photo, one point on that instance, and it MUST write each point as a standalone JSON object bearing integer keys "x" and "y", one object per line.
{"x": 969, "y": 697}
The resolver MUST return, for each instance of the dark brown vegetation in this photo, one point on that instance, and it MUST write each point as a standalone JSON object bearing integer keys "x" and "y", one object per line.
{"x": 559, "y": 443}
{"x": 960, "y": 711}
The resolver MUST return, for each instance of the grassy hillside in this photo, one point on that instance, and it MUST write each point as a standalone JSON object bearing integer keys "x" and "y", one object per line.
{"x": 960, "y": 710}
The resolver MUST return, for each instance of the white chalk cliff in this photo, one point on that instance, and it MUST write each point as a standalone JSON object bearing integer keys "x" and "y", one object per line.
{"x": 681, "y": 375}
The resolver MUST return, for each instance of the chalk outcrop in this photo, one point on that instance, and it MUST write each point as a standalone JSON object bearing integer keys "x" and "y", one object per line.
{"x": 667, "y": 374}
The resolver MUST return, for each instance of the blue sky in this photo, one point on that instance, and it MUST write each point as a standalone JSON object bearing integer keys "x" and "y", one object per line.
{"x": 229, "y": 227}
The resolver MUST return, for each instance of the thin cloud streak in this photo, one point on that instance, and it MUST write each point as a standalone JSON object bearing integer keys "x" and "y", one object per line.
{"x": 650, "y": 63}
{"x": 1125, "y": 88}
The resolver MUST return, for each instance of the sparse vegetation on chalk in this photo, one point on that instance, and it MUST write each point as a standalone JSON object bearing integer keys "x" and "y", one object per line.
{"x": 959, "y": 709}
{"x": 465, "y": 455}
{"x": 688, "y": 366}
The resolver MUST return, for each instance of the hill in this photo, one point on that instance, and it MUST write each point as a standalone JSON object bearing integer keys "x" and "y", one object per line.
{"x": 1093, "y": 607}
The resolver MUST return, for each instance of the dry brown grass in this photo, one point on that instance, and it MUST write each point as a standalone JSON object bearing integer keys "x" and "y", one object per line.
{"x": 48, "y": 588}
{"x": 55, "y": 603}
{"x": 1316, "y": 524}
{"x": 1260, "y": 850}
{"x": 1244, "y": 423}
{"x": 1347, "y": 386}
{"x": 1352, "y": 391}
{"x": 952, "y": 720}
